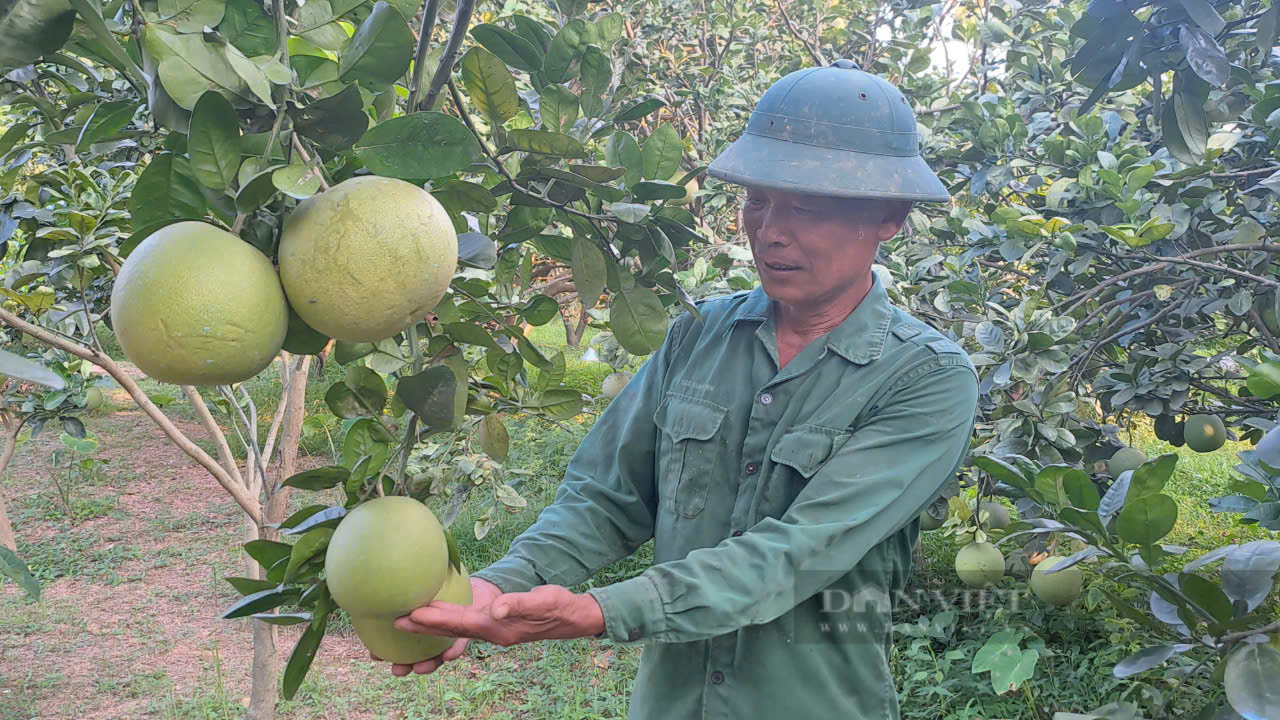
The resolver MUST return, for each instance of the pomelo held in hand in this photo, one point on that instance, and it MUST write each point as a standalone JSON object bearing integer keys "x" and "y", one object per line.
{"x": 1060, "y": 588}
{"x": 365, "y": 259}
{"x": 196, "y": 305}
{"x": 613, "y": 384}
{"x": 386, "y": 558}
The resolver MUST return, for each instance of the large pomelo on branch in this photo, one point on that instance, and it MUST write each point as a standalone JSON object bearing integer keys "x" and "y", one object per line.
{"x": 365, "y": 259}
{"x": 196, "y": 305}
{"x": 1060, "y": 588}
{"x": 980, "y": 564}
{"x": 1204, "y": 433}
{"x": 387, "y": 557}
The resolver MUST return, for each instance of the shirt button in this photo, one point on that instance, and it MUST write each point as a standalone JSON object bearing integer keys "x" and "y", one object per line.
{"x": 717, "y": 677}
{"x": 737, "y": 533}
{"x": 766, "y": 399}
{"x": 752, "y": 468}
{"x": 634, "y": 635}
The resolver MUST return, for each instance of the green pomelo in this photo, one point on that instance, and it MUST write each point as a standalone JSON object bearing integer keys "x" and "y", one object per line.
{"x": 92, "y": 399}
{"x": 1125, "y": 459}
{"x": 1060, "y": 588}
{"x": 690, "y": 189}
{"x": 387, "y": 557}
{"x": 929, "y": 522}
{"x": 1204, "y": 433}
{"x": 613, "y": 384}
{"x": 997, "y": 515}
{"x": 979, "y": 564}
{"x": 365, "y": 259}
{"x": 383, "y": 639}
{"x": 195, "y": 305}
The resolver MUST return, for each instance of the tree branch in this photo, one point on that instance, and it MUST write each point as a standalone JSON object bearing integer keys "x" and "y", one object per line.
{"x": 461, "y": 21}
{"x": 813, "y": 52}
{"x": 246, "y": 502}
{"x": 219, "y": 437}
{"x": 420, "y": 56}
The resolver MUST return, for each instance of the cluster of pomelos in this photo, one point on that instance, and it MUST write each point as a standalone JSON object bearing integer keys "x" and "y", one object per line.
{"x": 196, "y": 305}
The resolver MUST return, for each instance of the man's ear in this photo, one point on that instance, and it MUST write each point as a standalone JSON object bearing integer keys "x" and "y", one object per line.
{"x": 893, "y": 218}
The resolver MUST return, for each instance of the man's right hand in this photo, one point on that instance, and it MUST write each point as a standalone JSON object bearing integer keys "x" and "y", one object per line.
{"x": 483, "y": 593}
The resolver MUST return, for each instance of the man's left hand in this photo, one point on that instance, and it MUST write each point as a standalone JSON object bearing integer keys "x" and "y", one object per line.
{"x": 547, "y": 612}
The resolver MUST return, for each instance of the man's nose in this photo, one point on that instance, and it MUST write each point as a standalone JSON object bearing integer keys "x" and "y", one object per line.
{"x": 772, "y": 231}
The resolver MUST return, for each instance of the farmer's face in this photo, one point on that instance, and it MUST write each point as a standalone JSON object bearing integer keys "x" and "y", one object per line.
{"x": 812, "y": 251}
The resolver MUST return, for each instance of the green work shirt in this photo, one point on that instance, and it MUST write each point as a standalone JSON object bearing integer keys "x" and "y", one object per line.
{"x": 783, "y": 504}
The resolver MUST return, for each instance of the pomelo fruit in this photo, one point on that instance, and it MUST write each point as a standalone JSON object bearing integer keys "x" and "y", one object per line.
{"x": 1204, "y": 433}
{"x": 929, "y": 522}
{"x": 92, "y": 399}
{"x": 1060, "y": 588}
{"x": 389, "y": 643}
{"x": 979, "y": 564}
{"x": 613, "y": 384}
{"x": 387, "y": 556}
{"x": 1125, "y": 459}
{"x": 690, "y": 188}
{"x": 196, "y": 305}
{"x": 997, "y": 515}
{"x": 368, "y": 257}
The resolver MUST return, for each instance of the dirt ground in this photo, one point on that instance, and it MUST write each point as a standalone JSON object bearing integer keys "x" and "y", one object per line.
{"x": 135, "y": 632}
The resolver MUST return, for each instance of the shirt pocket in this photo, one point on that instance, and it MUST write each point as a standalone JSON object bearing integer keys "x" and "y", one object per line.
{"x": 690, "y": 452}
{"x": 799, "y": 454}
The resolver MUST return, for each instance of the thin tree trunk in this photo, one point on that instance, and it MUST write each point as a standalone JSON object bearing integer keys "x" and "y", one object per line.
{"x": 295, "y": 412}
{"x": 266, "y": 666}
{"x": 12, "y": 428}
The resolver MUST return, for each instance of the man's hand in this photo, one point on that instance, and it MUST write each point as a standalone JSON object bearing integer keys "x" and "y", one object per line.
{"x": 548, "y": 612}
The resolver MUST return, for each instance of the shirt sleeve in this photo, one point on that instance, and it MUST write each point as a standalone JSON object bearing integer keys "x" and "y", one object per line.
{"x": 888, "y": 469}
{"x": 605, "y": 507}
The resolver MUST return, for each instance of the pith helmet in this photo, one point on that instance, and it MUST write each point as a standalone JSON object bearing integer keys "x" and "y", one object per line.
{"x": 834, "y": 131}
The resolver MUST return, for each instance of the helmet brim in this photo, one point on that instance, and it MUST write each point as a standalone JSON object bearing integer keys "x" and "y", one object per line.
{"x": 765, "y": 162}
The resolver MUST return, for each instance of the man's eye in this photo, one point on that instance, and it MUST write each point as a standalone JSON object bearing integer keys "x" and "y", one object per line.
{"x": 754, "y": 204}
{"x": 804, "y": 211}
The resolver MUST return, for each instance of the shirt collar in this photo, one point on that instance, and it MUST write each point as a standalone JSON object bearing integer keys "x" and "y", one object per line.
{"x": 858, "y": 339}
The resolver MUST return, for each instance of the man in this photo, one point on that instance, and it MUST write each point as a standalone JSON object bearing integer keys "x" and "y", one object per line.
{"x": 779, "y": 450}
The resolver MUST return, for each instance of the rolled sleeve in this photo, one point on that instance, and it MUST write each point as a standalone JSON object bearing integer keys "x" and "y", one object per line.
{"x": 888, "y": 469}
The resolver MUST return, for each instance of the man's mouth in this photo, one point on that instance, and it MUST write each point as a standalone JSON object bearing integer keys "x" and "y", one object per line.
{"x": 780, "y": 267}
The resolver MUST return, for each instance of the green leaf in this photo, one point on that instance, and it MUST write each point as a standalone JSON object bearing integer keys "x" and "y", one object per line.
{"x": 430, "y": 395}
{"x": 335, "y": 122}
{"x": 1250, "y": 680}
{"x": 248, "y": 27}
{"x": 298, "y": 181}
{"x": 1150, "y": 477}
{"x": 15, "y": 134}
{"x": 14, "y": 568}
{"x": 188, "y": 66}
{"x": 381, "y": 50}
{"x": 369, "y": 388}
{"x": 347, "y": 352}
{"x": 166, "y": 190}
{"x": 321, "y": 478}
{"x": 1266, "y": 31}
{"x": 329, "y": 517}
{"x": 84, "y": 446}
{"x": 107, "y": 120}
{"x": 1207, "y": 595}
{"x": 366, "y": 436}
{"x": 470, "y": 334}
{"x": 596, "y": 73}
{"x": 1188, "y": 102}
{"x": 558, "y": 107}
{"x": 540, "y": 310}
{"x": 267, "y": 552}
{"x": 1264, "y": 380}
{"x": 534, "y": 31}
{"x": 609, "y": 29}
{"x": 214, "y": 141}
{"x": 261, "y": 602}
{"x": 492, "y": 437}
{"x": 1143, "y": 521}
{"x": 316, "y": 25}
{"x": 491, "y": 85}
{"x": 1205, "y": 56}
{"x": 308, "y": 644}
{"x": 283, "y": 619}
{"x": 257, "y": 191}
{"x": 420, "y": 145}
{"x": 301, "y": 338}
{"x": 639, "y": 109}
{"x": 191, "y": 16}
{"x": 1081, "y": 491}
{"x": 638, "y": 320}
{"x": 508, "y": 46}
{"x": 561, "y": 404}
{"x": 630, "y": 212}
{"x": 564, "y": 49}
{"x": 1204, "y": 15}
{"x": 545, "y": 142}
{"x": 29, "y": 370}
{"x": 311, "y": 544}
{"x": 588, "y": 271}
{"x": 249, "y": 586}
{"x": 623, "y": 151}
{"x": 660, "y": 154}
